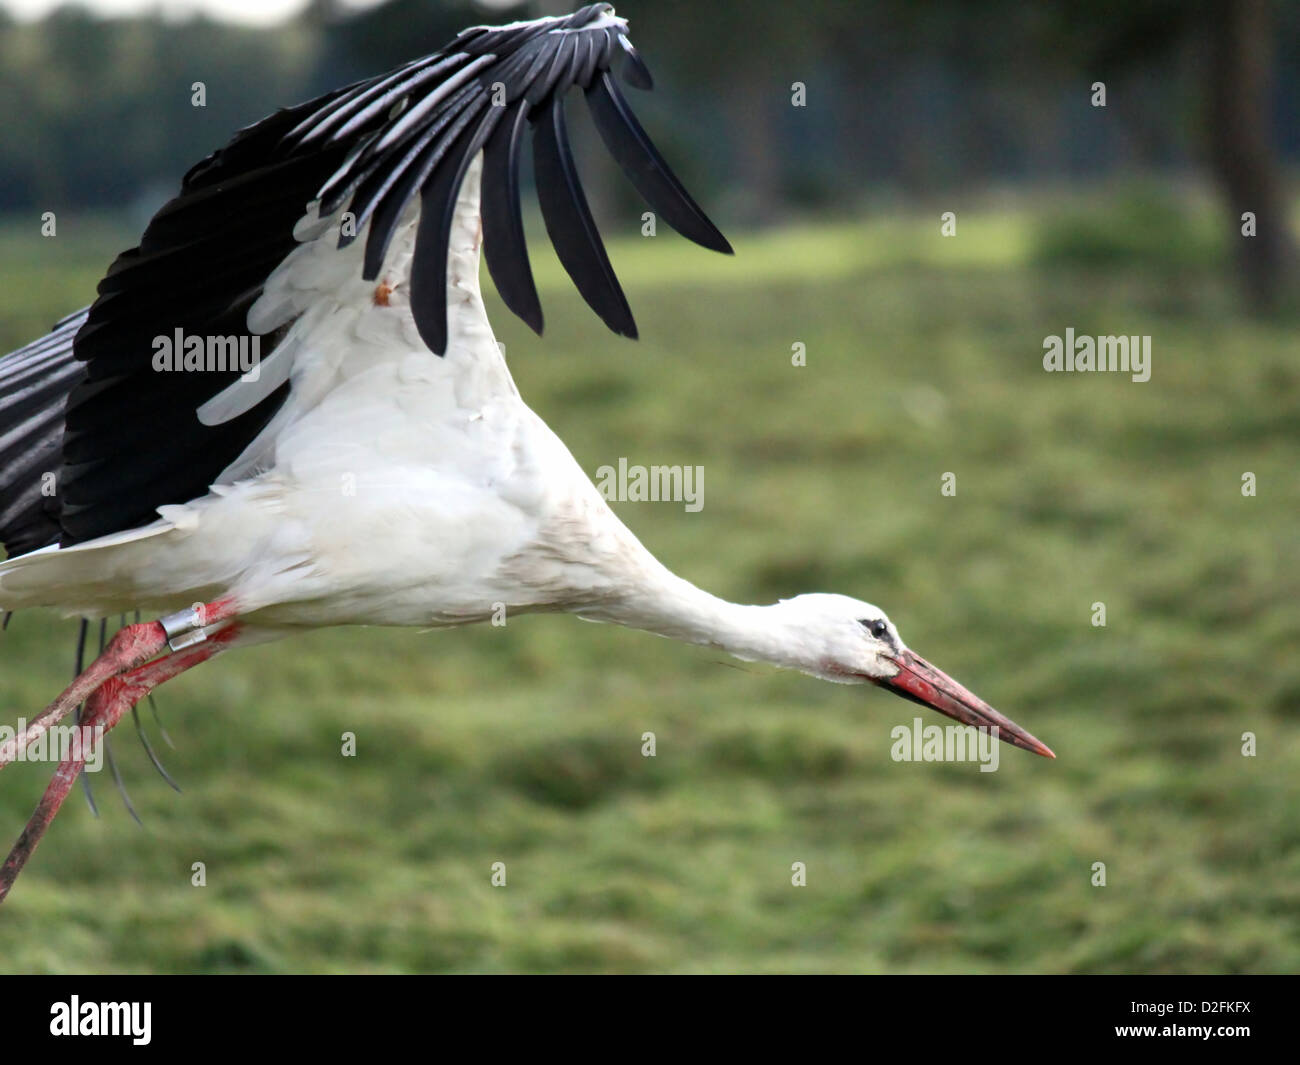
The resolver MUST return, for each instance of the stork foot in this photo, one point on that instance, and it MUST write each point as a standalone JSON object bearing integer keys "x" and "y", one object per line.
{"x": 130, "y": 648}
{"x": 133, "y": 677}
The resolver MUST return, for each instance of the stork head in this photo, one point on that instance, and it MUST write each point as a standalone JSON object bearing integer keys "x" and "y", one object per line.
{"x": 851, "y": 642}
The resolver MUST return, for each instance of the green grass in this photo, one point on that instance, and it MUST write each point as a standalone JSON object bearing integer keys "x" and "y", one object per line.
{"x": 522, "y": 744}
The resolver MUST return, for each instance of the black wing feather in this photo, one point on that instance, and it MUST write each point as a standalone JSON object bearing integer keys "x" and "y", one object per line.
{"x": 504, "y": 244}
{"x": 34, "y": 386}
{"x": 124, "y": 439}
{"x": 635, "y": 72}
{"x": 381, "y": 232}
{"x": 437, "y": 211}
{"x": 570, "y": 225}
{"x": 645, "y": 167}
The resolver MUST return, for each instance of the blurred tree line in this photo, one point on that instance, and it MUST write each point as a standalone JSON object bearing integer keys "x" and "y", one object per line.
{"x": 903, "y": 100}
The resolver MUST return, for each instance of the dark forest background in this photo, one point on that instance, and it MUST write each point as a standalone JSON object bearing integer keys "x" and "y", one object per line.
{"x": 906, "y": 100}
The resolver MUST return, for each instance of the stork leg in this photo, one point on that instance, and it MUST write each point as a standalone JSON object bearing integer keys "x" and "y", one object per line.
{"x": 104, "y": 709}
{"x": 133, "y": 646}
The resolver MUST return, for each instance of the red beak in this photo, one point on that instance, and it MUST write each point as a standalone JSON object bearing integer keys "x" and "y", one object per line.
{"x": 922, "y": 683}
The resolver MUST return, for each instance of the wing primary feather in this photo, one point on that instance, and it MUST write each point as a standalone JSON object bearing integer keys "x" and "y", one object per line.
{"x": 510, "y": 73}
{"x": 382, "y": 96}
{"x": 537, "y": 62}
{"x": 293, "y": 138}
{"x": 346, "y": 178}
{"x": 504, "y": 245}
{"x": 584, "y": 53}
{"x": 415, "y": 114}
{"x": 540, "y": 91}
{"x": 635, "y": 72}
{"x": 597, "y": 56}
{"x": 570, "y": 225}
{"x": 646, "y": 168}
{"x": 395, "y": 200}
{"x": 369, "y": 193}
{"x": 373, "y": 172}
{"x": 404, "y": 78}
{"x": 437, "y": 212}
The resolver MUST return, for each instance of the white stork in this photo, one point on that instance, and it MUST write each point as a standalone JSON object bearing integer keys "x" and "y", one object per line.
{"x": 224, "y": 508}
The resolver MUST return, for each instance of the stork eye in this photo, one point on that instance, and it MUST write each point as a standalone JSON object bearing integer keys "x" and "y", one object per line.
{"x": 877, "y": 628}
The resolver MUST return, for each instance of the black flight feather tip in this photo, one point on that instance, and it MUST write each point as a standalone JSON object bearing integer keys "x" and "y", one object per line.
{"x": 645, "y": 167}
{"x": 504, "y": 244}
{"x": 570, "y": 226}
{"x": 407, "y": 132}
{"x": 437, "y": 211}
{"x": 205, "y": 257}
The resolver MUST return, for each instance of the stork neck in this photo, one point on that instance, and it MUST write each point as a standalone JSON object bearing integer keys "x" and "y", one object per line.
{"x": 670, "y": 606}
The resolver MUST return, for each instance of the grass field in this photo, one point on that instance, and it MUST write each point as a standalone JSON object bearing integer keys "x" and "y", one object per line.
{"x": 522, "y": 744}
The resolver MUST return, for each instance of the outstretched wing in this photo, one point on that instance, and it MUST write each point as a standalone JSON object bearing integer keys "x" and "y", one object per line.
{"x": 370, "y": 148}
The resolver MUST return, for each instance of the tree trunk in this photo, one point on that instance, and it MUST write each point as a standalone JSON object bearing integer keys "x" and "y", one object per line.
{"x": 1241, "y": 149}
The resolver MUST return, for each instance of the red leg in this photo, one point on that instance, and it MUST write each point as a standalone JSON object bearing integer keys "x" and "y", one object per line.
{"x": 131, "y": 647}
{"x": 104, "y": 708}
